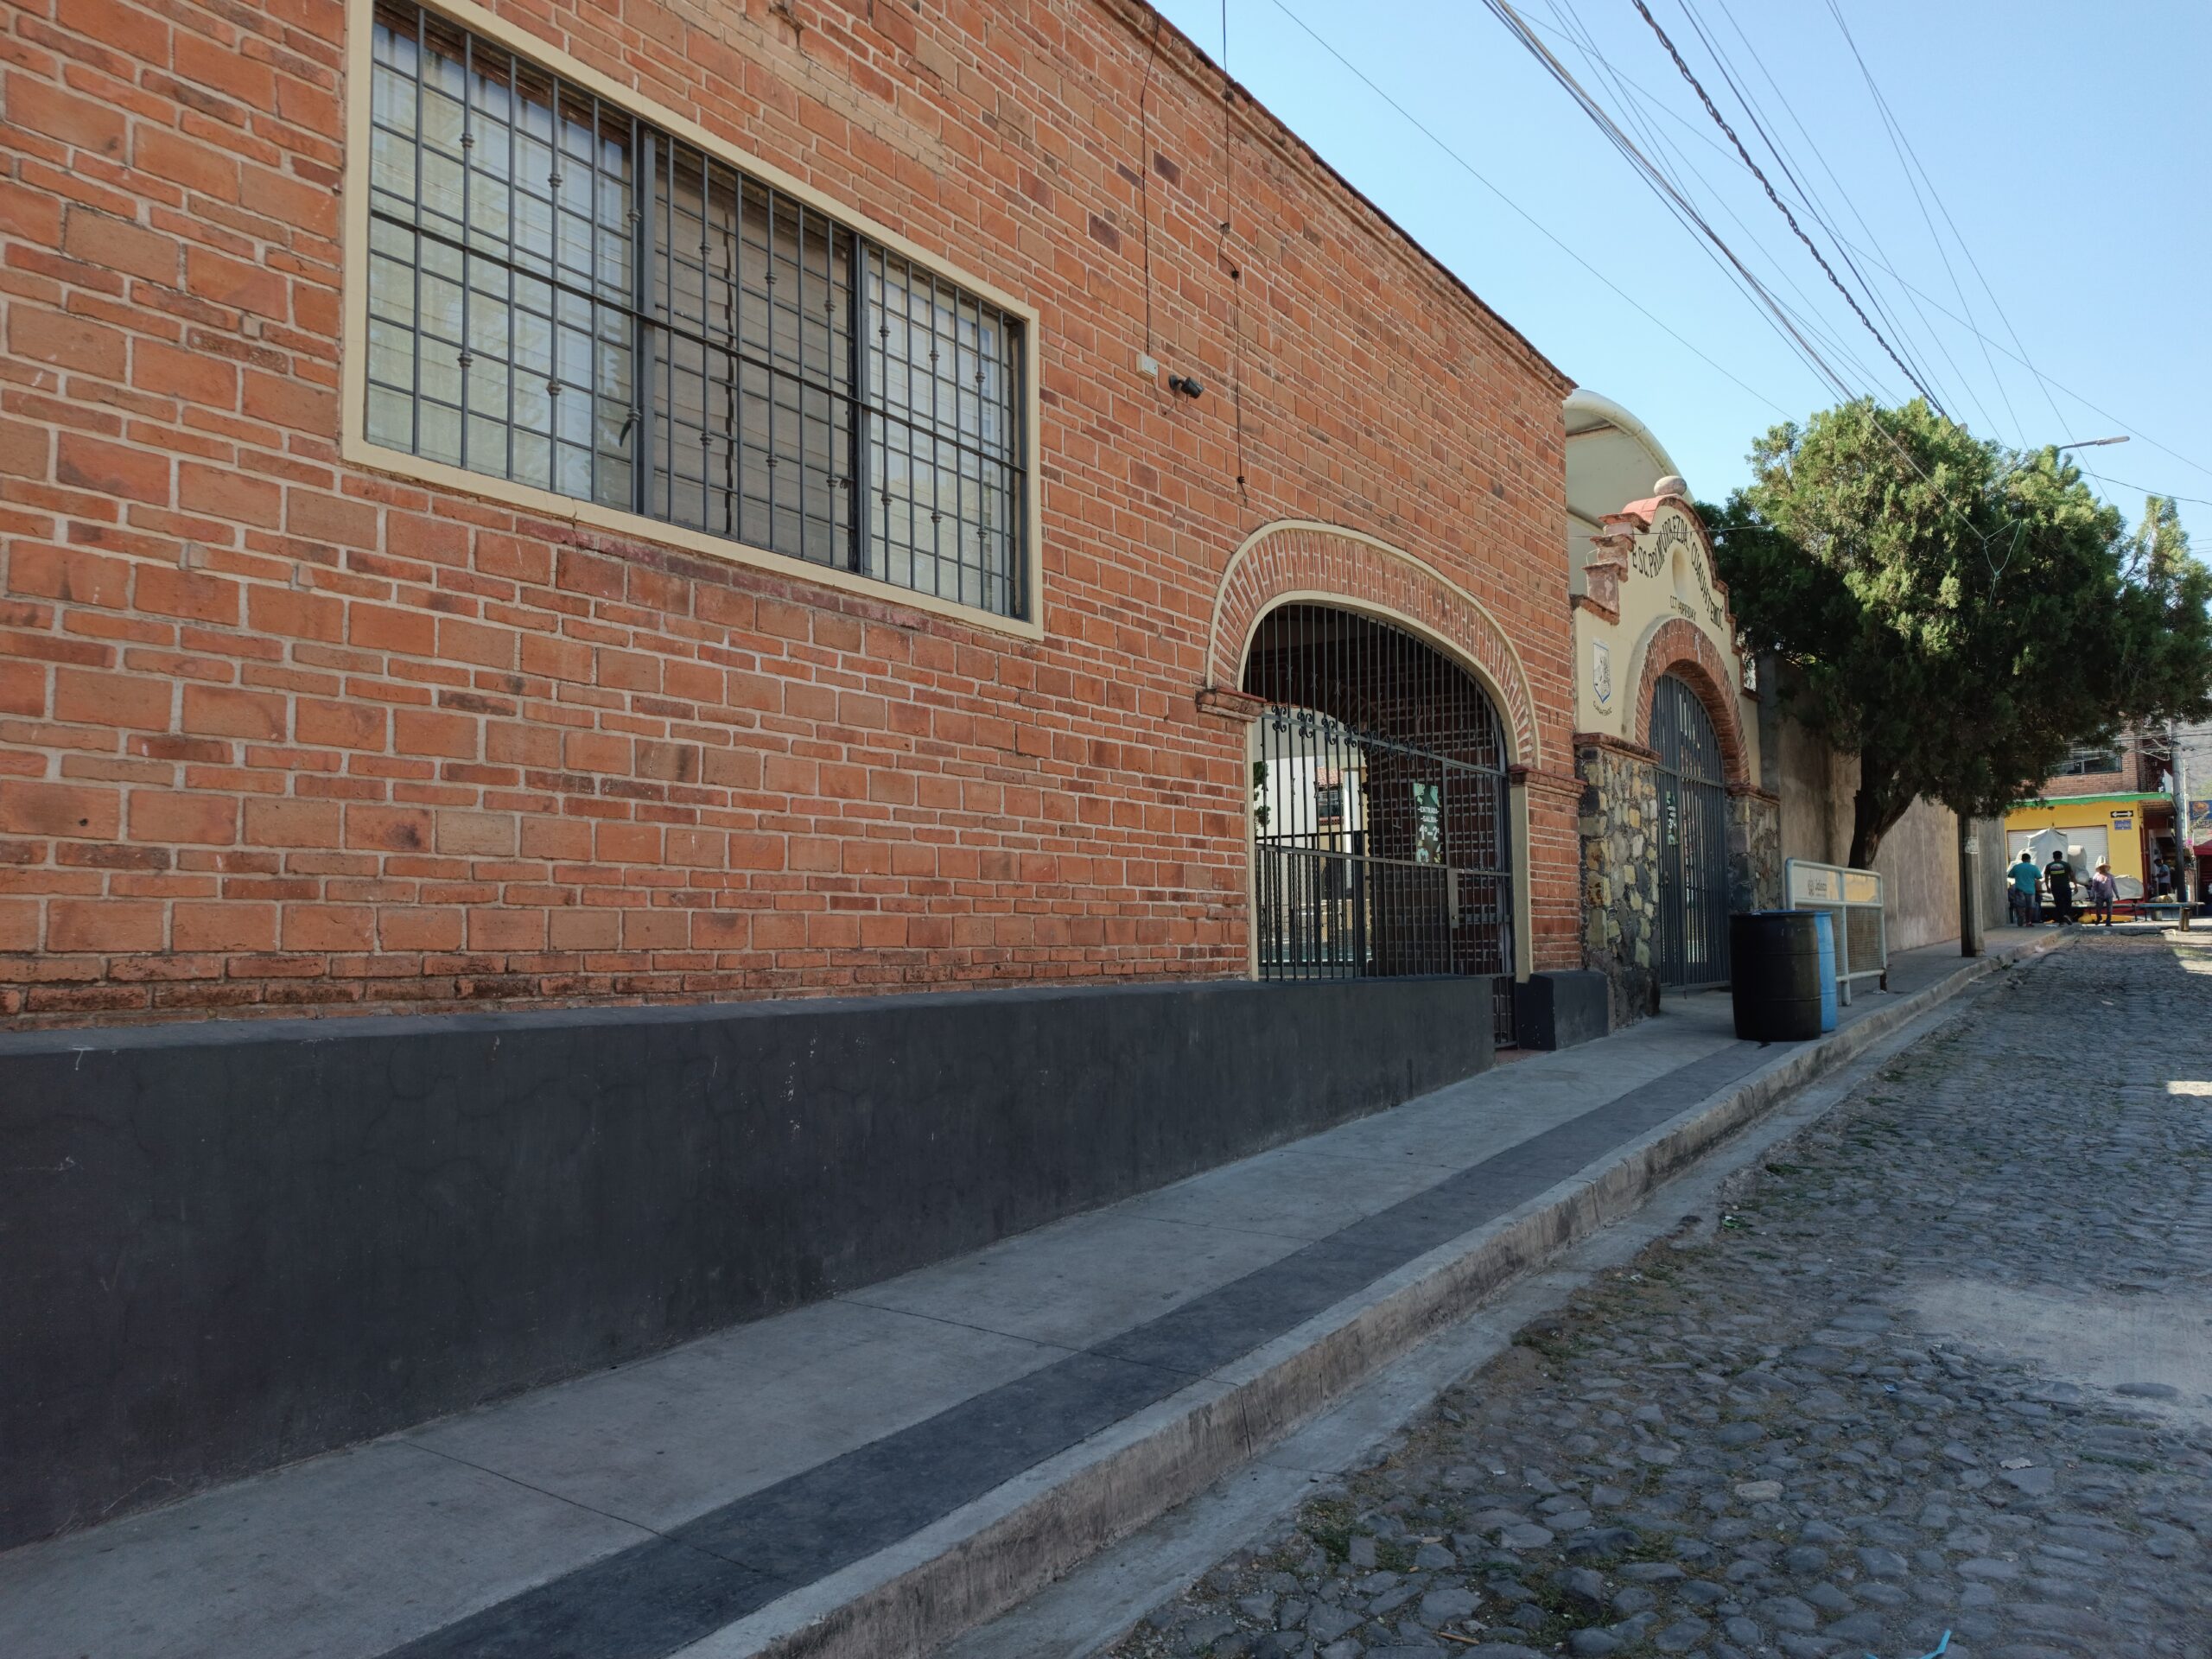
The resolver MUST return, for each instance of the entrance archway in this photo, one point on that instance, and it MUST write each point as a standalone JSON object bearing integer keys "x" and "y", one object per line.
{"x": 1693, "y": 834}
{"x": 1382, "y": 812}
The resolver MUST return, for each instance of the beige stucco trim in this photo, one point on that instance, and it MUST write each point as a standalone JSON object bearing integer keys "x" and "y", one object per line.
{"x": 1347, "y": 601}
{"x": 355, "y": 447}
{"x": 1646, "y": 604}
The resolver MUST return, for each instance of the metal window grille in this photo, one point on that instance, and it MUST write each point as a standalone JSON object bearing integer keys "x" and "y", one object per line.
{"x": 1692, "y": 931}
{"x": 563, "y": 296}
{"x": 1381, "y": 807}
{"x": 2085, "y": 759}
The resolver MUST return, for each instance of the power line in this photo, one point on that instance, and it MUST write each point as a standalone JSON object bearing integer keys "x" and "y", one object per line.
{"x": 1578, "y": 37}
{"x": 2162, "y": 495}
{"x": 1469, "y": 169}
{"x": 2015, "y": 352}
{"x": 1427, "y": 132}
{"x": 1779, "y": 315}
{"x": 1805, "y": 196}
{"x": 1982, "y": 539}
{"x": 1903, "y": 147}
{"x": 1521, "y": 29}
{"x": 1783, "y": 207}
{"x": 1812, "y": 200}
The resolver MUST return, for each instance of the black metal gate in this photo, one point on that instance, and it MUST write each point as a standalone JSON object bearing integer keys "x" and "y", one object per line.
{"x": 1692, "y": 840}
{"x": 1382, "y": 815}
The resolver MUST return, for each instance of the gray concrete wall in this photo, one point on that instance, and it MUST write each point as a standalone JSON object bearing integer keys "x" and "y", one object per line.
{"x": 1919, "y": 858}
{"x": 1919, "y": 862}
{"x": 226, "y": 1245}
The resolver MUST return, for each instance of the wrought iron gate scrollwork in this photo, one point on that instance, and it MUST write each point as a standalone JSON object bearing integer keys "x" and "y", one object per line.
{"x": 1692, "y": 837}
{"x": 1381, "y": 809}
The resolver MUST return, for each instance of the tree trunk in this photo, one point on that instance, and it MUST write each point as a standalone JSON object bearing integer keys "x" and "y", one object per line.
{"x": 1874, "y": 811}
{"x": 1867, "y": 828}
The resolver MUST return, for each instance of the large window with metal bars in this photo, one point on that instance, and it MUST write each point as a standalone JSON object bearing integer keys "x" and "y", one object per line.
{"x": 2086, "y": 759}
{"x": 1381, "y": 807}
{"x": 564, "y": 297}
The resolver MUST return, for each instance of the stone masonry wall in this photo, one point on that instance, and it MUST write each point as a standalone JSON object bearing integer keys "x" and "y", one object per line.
{"x": 1620, "y": 876}
{"x": 1754, "y": 852}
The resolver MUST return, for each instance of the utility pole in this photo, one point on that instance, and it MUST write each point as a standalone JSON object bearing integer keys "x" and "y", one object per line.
{"x": 2184, "y": 855}
{"x": 1970, "y": 942}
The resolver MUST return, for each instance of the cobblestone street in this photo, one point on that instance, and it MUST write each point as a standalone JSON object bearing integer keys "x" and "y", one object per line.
{"x": 1944, "y": 1365}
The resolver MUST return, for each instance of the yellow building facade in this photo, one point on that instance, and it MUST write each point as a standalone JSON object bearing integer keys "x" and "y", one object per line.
{"x": 2092, "y": 829}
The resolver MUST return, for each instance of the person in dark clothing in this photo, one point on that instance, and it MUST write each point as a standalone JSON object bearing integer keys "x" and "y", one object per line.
{"x": 2058, "y": 875}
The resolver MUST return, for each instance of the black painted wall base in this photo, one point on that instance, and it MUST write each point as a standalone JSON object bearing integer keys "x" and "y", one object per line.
{"x": 1559, "y": 1010}
{"x": 228, "y": 1245}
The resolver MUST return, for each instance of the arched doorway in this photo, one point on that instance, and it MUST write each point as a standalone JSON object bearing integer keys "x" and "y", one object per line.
{"x": 1382, "y": 816}
{"x": 1693, "y": 833}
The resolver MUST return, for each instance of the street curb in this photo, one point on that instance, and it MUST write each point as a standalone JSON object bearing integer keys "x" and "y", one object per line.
{"x": 992, "y": 1555}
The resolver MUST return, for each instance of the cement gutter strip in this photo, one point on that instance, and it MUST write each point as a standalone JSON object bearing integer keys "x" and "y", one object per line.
{"x": 996, "y": 1553}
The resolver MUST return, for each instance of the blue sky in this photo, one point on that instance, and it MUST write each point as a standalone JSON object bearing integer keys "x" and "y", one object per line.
{"x": 2069, "y": 144}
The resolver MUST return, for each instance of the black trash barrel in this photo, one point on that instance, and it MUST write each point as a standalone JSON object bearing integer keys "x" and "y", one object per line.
{"x": 1775, "y": 970}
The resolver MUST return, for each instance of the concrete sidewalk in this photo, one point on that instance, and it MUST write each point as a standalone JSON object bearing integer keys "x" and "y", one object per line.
{"x": 870, "y": 1475}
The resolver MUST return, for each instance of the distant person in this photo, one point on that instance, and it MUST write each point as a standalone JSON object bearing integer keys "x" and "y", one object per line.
{"x": 2021, "y": 893}
{"x": 2102, "y": 891}
{"x": 2058, "y": 876}
{"x": 2159, "y": 877}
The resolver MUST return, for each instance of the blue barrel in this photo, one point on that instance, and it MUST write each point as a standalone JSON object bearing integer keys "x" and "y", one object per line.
{"x": 1827, "y": 920}
{"x": 1775, "y": 975}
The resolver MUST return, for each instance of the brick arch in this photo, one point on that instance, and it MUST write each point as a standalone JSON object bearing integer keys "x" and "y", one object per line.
{"x": 1294, "y": 560}
{"x": 1679, "y": 647}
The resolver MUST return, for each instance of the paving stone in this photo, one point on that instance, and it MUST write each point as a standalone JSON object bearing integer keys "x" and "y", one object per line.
{"x": 1882, "y": 1563}
{"x": 1442, "y": 1606}
{"x": 1753, "y": 1436}
{"x": 1198, "y": 1634}
{"x": 1325, "y": 1624}
{"x": 1788, "y": 1613}
{"x": 1681, "y": 1635}
{"x": 1390, "y": 1601}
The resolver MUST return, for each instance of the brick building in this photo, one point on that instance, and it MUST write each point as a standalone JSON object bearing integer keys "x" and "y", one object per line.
{"x": 440, "y": 566}
{"x": 560, "y": 507}
{"x": 2110, "y": 801}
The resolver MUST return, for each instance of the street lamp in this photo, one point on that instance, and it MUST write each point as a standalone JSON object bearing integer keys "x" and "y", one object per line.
{"x": 2089, "y": 443}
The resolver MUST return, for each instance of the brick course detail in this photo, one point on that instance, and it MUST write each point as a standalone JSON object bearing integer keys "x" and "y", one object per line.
{"x": 279, "y": 731}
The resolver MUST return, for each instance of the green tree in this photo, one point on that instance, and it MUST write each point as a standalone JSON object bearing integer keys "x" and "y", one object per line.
{"x": 1958, "y": 614}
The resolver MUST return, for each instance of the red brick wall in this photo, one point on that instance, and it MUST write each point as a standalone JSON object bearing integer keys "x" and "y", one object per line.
{"x": 2138, "y": 771}
{"x": 277, "y": 731}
